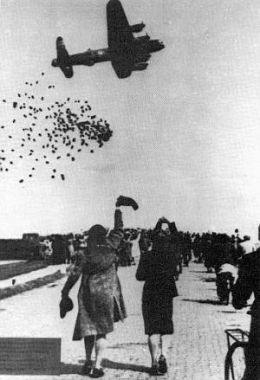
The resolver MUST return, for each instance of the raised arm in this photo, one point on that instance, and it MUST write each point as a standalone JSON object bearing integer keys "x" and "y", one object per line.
{"x": 160, "y": 222}
{"x": 116, "y": 235}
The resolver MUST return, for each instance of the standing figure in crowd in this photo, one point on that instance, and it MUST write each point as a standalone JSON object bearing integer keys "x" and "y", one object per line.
{"x": 58, "y": 250}
{"x": 129, "y": 250}
{"x": 70, "y": 252}
{"x": 100, "y": 298}
{"x": 156, "y": 268}
{"x": 176, "y": 249}
{"x": 208, "y": 255}
{"x": 144, "y": 242}
{"x": 185, "y": 241}
{"x": 226, "y": 271}
{"x": 248, "y": 282}
{"x": 125, "y": 251}
{"x": 226, "y": 276}
{"x": 197, "y": 248}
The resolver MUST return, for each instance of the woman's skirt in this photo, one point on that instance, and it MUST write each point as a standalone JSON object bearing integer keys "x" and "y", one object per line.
{"x": 157, "y": 308}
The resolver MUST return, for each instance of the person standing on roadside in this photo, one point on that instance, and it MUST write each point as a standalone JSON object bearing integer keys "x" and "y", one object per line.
{"x": 156, "y": 269}
{"x": 248, "y": 283}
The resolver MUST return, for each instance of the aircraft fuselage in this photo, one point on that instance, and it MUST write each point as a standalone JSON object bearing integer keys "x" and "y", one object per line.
{"x": 90, "y": 57}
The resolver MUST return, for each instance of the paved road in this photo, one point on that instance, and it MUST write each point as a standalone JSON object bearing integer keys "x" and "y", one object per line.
{"x": 197, "y": 349}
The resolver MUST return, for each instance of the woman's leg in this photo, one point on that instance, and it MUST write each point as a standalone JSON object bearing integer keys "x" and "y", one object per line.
{"x": 89, "y": 344}
{"x": 101, "y": 345}
{"x": 165, "y": 344}
{"x": 153, "y": 344}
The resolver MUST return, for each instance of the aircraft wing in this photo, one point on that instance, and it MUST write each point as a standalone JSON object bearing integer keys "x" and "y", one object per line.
{"x": 127, "y": 52}
{"x": 119, "y": 30}
{"x": 120, "y": 39}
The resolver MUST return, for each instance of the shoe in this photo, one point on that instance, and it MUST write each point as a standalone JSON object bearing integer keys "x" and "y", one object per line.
{"x": 96, "y": 372}
{"x": 86, "y": 369}
{"x": 154, "y": 371}
{"x": 162, "y": 364}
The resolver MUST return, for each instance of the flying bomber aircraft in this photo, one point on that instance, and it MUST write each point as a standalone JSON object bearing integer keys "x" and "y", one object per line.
{"x": 126, "y": 52}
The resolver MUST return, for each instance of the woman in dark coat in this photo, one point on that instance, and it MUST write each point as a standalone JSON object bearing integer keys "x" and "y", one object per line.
{"x": 100, "y": 299}
{"x": 157, "y": 268}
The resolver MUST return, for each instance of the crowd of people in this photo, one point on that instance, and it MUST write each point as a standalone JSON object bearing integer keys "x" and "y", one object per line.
{"x": 59, "y": 249}
{"x": 163, "y": 252}
{"x": 212, "y": 249}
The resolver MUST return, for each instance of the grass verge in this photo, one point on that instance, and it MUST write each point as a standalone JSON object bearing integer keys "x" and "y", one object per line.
{"x": 15, "y": 269}
{"x": 37, "y": 283}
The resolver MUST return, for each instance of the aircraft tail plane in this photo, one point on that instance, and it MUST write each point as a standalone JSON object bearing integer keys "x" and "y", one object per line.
{"x": 63, "y": 59}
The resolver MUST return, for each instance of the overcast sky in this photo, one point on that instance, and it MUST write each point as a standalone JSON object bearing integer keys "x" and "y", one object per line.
{"x": 186, "y": 131}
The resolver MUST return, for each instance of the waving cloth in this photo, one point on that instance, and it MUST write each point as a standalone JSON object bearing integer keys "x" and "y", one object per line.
{"x": 126, "y": 201}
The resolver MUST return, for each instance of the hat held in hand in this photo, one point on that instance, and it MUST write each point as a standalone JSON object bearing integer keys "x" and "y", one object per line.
{"x": 126, "y": 201}
{"x": 66, "y": 305}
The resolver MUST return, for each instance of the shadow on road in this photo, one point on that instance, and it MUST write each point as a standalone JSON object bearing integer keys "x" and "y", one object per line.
{"x": 209, "y": 302}
{"x": 208, "y": 279}
{"x": 198, "y": 271}
{"x": 125, "y": 345}
{"x": 227, "y": 311}
{"x": 68, "y": 369}
{"x": 125, "y": 366}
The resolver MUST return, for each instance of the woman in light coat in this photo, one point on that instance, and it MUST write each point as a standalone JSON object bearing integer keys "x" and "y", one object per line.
{"x": 100, "y": 298}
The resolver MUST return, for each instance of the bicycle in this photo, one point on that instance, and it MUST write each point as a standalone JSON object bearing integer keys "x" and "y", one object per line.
{"x": 235, "y": 357}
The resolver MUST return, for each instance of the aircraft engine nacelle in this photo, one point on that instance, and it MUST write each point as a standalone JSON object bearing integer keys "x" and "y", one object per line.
{"x": 155, "y": 45}
{"x": 144, "y": 38}
{"x": 144, "y": 57}
{"x": 137, "y": 28}
{"x": 63, "y": 59}
{"x": 140, "y": 66}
